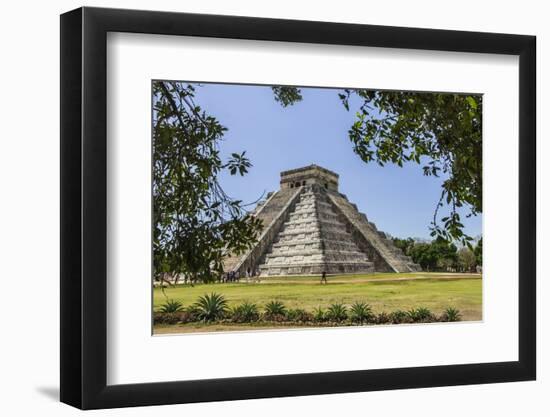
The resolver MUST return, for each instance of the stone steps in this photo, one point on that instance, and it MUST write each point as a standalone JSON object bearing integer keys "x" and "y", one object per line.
{"x": 307, "y": 213}
{"x": 323, "y": 233}
{"x": 334, "y": 254}
{"x": 329, "y": 246}
{"x": 269, "y": 210}
{"x": 309, "y": 205}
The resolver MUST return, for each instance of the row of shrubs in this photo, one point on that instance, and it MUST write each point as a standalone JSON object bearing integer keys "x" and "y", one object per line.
{"x": 214, "y": 308}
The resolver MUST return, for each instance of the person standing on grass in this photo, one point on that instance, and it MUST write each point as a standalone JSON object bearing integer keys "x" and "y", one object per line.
{"x": 324, "y": 277}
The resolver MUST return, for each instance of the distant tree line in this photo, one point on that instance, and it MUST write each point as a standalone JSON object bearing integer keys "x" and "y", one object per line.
{"x": 442, "y": 255}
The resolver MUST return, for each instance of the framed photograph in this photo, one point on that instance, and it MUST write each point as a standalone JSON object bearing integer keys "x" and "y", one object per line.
{"x": 257, "y": 208}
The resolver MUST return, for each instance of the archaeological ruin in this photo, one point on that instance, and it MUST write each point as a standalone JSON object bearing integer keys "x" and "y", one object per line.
{"x": 309, "y": 227}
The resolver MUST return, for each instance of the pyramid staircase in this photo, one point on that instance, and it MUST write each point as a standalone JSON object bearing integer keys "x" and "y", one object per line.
{"x": 313, "y": 240}
{"x": 272, "y": 214}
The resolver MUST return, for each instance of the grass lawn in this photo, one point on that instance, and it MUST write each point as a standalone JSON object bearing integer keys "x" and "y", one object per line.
{"x": 384, "y": 292}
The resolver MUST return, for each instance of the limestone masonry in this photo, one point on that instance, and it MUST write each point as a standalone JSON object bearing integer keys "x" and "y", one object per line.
{"x": 309, "y": 227}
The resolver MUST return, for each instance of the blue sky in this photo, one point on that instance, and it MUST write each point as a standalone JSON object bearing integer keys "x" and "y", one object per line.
{"x": 400, "y": 201}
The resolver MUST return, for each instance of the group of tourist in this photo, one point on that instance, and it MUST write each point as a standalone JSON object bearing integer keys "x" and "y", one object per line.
{"x": 235, "y": 276}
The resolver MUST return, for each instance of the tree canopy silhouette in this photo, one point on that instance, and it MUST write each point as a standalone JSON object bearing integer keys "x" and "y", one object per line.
{"x": 439, "y": 131}
{"x": 195, "y": 223}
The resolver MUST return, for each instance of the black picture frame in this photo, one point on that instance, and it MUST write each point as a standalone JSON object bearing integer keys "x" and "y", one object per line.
{"x": 84, "y": 207}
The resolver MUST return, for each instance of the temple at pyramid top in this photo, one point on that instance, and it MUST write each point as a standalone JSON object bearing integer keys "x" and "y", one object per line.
{"x": 309, "y": 227}
{"x": 312, "y": 174}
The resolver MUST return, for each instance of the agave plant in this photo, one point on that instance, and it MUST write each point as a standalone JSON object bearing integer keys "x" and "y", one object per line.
{"x": 192, "y": 313}
{"x": 421, "y": 315}
{"x": 171, "y": 306}
{"x": 211, "y": 307}
{"x": 275, "y": 308}
{"x": 337, "y": 312}
{"x": 383, "y": 318}
{"x": 361, "y": 313}
{"x": 451, "y": 314}
{"x": 399, "y": 316}
{"x": 319, "y": 315}
{"x": 245, "y": 313}
{"x": 298, "y": 315}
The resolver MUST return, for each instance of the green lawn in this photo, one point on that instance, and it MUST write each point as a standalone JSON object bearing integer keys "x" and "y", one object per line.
{"x": 384, "y": 292}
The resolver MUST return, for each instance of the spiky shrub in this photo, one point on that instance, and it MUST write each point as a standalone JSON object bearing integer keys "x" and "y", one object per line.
{"x": 400, "y": 316}
{"x": 190, "y": 314}
{"x": 299, "y": 316}
{"x": 337, "y": 312}
{"x": 211, "y": 307}
{"x": 171, "y": 306}
{"x": 421, "y": 315}
{"x": 361, "y": 313}
{"x": 451, "y": 314}
{"x": 275, "y": 311}
{"x": 291, "y": 314}
{"x": 383, "y": 318}
{"x": 245, "y": 313}
{"x": 319, "y": 315}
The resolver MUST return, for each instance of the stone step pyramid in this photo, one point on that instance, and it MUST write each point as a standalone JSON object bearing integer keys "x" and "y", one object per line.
{"x": 313, "y": 240}
{"x": 309, "y": 227}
